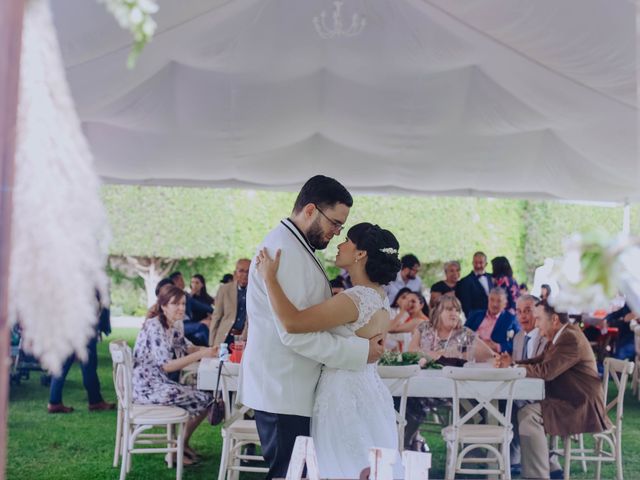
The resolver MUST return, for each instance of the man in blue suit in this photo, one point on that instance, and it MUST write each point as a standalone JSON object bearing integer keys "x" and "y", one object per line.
{"x": 472, "y": 290}
{"x": 495, "y": 325}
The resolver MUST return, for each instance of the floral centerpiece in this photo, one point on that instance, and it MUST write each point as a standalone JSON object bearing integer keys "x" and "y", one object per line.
{"x": 396, "y": 359}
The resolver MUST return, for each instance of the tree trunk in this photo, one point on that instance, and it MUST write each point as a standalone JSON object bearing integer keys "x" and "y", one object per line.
{"x": 152, "y": 270}
{"x": 151, "y": 278}
{"x": 11, "y": 13}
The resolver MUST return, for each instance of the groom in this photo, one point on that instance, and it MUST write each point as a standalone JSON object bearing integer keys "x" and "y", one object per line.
{"x": 280, "y": 370}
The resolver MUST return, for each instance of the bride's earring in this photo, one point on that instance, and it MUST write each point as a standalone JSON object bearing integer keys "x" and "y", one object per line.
{"x": 356, "y": 259}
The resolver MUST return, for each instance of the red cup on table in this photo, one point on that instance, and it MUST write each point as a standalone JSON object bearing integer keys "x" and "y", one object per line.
{"x": 237, "y": 347}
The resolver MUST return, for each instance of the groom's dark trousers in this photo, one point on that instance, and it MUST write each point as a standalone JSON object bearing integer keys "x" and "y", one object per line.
{"x": 278, "y": 434}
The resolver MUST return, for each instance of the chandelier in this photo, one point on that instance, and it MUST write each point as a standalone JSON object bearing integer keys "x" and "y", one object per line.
{"x": 337, "y": 30}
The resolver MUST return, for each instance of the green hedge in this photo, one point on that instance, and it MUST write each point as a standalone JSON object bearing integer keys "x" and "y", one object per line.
{"x": 208, "y": 229}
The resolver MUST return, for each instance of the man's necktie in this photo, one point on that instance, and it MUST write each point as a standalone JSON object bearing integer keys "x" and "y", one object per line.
{"x": 525, "y": 350}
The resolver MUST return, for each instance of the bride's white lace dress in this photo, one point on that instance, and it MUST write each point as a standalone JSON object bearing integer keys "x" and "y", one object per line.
{"x": 353, "y": 410}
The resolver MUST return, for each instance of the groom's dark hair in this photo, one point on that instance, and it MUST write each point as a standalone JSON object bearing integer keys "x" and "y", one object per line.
{"x": 323, "y": 192}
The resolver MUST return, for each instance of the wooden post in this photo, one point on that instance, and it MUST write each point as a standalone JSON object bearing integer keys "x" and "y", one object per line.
{"x": 11, "y": 14}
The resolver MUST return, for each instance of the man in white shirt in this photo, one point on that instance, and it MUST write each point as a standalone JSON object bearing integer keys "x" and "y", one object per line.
{"x": 528, "y": 343}
{"x": 280, "y": 370}
{"x": 407, "y": 277}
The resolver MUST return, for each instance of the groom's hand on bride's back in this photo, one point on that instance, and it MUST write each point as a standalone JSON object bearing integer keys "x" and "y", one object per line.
{"x": 376, "y": 348}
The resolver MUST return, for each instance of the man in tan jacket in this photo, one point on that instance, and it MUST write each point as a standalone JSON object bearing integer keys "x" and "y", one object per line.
{"x": 230, "y": 314}
{"x": 573, "y": 392}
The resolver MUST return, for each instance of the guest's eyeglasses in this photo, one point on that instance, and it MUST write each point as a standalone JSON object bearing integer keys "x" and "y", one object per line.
{"x": 337, "y": 226}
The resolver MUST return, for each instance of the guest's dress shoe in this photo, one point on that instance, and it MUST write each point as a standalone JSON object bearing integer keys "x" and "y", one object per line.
{"x": 557, "y": 474}
{"x": 58, "y": 408}
{"x": 93, "y": 407}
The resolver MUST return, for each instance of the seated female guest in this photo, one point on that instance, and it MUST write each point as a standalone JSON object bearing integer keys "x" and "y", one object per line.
{"x": 396, "y": 342}
{"x": 199, "y": 289}
{"x": 160, "y": 350}
{"x": 503, "y": 278}
{"x": 446, "y": 286}
{"x": 399, "y": 302}
{"x": 415, "y": 306}
{"x": 439, "y": 339}
{"x": 445, "y": 333}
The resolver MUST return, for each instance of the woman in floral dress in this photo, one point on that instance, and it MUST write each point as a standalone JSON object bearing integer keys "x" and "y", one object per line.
{"x": 446, "y": 337}
{"x": 160, "y": 350}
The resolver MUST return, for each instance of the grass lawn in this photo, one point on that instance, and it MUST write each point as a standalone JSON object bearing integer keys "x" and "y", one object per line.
{"x": 80, "y": 445}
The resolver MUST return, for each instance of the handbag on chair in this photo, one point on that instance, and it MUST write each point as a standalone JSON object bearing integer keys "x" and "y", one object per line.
{"x": 216, "y": 409}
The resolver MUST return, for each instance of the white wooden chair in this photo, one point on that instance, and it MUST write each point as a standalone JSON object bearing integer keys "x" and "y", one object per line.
{"x": 636, "y": 371}
{"x": 135, "y": 420}
{"x": 400, "y": 376}
{"x": 608, "y": 444}
{"x": 462, "y": 437}
{"x": 115, "y": 346}
{"x": 236, "y": 433}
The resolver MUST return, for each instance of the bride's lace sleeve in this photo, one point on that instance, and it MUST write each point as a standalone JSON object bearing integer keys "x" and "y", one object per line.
{"x": 367, "y": 301}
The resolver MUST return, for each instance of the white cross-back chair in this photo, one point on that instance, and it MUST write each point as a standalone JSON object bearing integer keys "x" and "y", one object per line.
{"x": 636, "y": 370}
{"x": 135, "y": 420}
{"x": 236, "y": 432}
{"x": 400, "y": 377}
{"x": 462, "y": 437}
{"x": 608, "y": 444}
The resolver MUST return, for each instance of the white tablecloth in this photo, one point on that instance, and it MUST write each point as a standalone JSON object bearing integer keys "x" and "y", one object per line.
{"x": 427, "y": 383}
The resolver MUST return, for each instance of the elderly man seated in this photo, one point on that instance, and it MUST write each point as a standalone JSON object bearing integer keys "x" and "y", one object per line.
{"x": 495, "y": 325}
{"x": 574, "y": 398}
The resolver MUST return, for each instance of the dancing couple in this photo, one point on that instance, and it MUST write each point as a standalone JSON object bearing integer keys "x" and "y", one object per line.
{"x": 309, "y": 367}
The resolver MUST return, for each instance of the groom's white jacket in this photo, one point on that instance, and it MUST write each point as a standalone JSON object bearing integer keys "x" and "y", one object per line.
{"x": 280, "y": 371}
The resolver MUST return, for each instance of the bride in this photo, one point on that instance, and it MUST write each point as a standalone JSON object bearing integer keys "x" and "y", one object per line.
{"x": 353, "y": 410}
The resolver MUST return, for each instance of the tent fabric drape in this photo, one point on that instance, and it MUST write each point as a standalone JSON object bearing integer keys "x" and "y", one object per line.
{"x": 521, "y": 98}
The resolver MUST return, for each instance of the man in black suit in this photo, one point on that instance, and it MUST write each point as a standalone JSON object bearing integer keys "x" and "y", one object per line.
{"x": 473, "y": 290}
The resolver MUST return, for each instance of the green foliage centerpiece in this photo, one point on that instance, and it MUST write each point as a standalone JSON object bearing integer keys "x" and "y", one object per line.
{"x": 396, "y": 359}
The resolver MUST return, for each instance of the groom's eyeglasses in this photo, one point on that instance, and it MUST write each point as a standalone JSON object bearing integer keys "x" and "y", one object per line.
{"x": 337, "y": 226}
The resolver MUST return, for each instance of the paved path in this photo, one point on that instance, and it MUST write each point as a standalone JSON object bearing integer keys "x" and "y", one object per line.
{"x": 126, "y": 322}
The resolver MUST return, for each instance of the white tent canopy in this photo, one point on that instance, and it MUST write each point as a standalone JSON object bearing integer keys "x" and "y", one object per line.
{"x": 524, "y": 98}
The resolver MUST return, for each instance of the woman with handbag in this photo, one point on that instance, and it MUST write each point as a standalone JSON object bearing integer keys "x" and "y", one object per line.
{"x": 161, "y": 349}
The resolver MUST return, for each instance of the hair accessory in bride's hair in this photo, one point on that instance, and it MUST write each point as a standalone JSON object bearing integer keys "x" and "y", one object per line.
{"x": 389, "y": 251}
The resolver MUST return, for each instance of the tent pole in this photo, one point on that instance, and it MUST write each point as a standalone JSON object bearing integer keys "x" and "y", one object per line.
{"x": 626, "y": 218}
{"x": 11, "y": 14}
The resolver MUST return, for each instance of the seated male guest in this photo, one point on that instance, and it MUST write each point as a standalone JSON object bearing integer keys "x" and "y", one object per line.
{"x": 625, "y": 342}
{"x": 407, "y": 277}
{"x": 528, "y": 343}
{"x": 495, "y": 325}
{"x": 573, "y": 400}
{"x": 230, "y": 315}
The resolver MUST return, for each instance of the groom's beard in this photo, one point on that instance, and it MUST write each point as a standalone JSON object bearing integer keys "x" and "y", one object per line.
{"x": 316, "y": 236}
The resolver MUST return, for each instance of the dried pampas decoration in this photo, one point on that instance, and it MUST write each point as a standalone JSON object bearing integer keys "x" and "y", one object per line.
{"x": 60, "y": 231}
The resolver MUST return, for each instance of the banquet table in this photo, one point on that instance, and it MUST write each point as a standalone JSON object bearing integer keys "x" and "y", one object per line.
{"x": 426, "y": 384}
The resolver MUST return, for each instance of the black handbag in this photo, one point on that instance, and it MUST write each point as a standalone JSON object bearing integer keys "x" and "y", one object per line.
{"x": 216, "y": 410}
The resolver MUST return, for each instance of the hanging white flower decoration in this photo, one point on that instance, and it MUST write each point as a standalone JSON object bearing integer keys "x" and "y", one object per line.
{"x": 594, "y": 269}
{"x": 135, "y": 16}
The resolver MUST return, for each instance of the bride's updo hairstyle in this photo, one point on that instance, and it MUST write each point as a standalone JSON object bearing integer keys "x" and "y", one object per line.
{"x": 381, "y": 246}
